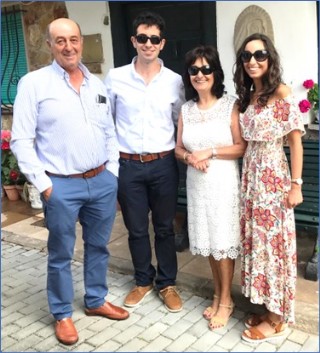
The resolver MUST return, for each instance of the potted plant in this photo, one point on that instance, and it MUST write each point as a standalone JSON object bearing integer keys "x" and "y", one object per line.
{"x": 312, "y": 101}
{"x": 10, "y": 171}
{"x": 13, "y": 181}
{"x": 20, "y": 183}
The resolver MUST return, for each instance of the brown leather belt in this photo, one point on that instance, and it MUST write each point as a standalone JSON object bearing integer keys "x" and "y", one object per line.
{"x": 88, "y": 174}
{"x": 143, "y": 158}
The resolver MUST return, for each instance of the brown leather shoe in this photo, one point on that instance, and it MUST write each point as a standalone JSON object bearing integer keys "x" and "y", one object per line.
{"x": 66, "y": 332}
{"x": 171, "y": 299}
{"x": 109, "y": 311}
{"x": 137, "y": 294}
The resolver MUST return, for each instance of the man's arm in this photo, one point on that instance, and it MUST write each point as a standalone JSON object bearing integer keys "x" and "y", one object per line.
{"x": 24, "y": 135}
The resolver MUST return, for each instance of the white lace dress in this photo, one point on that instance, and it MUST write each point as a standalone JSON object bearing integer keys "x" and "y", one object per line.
{"x": 213, "y": 197}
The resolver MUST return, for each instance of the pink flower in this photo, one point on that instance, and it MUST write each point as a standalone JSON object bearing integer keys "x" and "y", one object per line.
{"x": 5, "y": 145}
{"x": 14, "y": 175}
{"x": 281, "y": 110}
{"x": 308, "y": 84}
{"x": 264, "y": 218}
{"x": 5, "y": 138}
{"x": 271, "y": 181}
{"x": 304, "y": 106}
{"x": 5, "y": 135}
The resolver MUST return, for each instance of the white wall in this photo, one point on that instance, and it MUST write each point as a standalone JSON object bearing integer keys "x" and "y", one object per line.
{"x": 90, "y": 16}
{"x": 295, "y": 36}
{"x": 294, "y": 27}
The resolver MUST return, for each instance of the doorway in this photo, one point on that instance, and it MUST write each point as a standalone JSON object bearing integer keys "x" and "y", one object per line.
{"x": 188, "y": 24}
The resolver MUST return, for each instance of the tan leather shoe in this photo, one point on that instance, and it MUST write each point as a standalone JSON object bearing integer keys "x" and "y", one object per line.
{"x": 109, "y": 311}
{"x": 66, "y": 332}
{"x": 137, "y": 294}
{"x": 171, "y": 299}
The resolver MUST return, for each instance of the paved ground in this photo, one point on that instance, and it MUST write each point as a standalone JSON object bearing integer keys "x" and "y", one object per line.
{"x": 27, "y": 326}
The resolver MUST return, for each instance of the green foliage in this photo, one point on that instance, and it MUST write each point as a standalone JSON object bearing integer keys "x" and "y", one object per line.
{"x": 313, "y": 97}
{"x": 10, "y": 172}
{"x": 8, "y": 165}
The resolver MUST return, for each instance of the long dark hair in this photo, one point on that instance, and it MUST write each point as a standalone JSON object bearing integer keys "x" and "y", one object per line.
{"x": 270, "y": 81}
{"x": 211, "y": 54}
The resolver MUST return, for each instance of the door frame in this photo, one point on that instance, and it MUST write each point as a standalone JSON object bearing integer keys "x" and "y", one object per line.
{"x": 121, "y": 33}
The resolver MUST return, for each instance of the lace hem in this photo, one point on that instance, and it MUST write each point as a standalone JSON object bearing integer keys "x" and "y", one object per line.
{"x": 231, "y": 253}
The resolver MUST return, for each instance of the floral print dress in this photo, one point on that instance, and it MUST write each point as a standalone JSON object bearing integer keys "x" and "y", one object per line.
{"x": 268, "y": 239}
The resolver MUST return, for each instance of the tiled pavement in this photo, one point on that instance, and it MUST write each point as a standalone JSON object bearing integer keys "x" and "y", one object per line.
{"x": 27, "y": 326}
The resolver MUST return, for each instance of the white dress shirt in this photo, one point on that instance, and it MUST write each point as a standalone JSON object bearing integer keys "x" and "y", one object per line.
{"x": 145, "y": 114}
{"x": 59, "y": 130}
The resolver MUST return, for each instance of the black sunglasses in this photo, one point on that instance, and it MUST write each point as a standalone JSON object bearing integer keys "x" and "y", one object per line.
{"x": 205, "y": 70}
{"x": 143, "y": 38}
{"x": 259, "y": 55}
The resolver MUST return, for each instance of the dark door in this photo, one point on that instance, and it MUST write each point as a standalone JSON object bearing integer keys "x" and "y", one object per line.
{"x": 189, "y": 23}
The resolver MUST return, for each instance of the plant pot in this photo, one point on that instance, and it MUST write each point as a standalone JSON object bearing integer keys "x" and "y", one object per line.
{"x": 3, "y": 193}
{"x": 22, "y": 192}
{"x": 34, "y": 196}
{"x": 11, "y": 192}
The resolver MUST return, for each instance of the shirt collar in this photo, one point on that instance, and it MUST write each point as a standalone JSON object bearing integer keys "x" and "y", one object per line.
{"x": 133, "y": 70}
{"x": 63, "y": 73}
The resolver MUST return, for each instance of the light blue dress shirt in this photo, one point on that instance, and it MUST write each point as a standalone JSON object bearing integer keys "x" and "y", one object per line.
{"x": 59, "y": 130}
{"x": 145, "y": 115}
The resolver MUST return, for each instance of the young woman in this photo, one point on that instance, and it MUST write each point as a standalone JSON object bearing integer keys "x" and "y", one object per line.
{"x": 268, "y": 193}
{"x": 209, "y": 142}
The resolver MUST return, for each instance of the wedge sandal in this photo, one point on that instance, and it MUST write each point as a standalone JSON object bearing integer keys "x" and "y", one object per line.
{"x": 218, "y": 321}
{"x": 208, "y": 312}
{"x": 256, "y": 336}
{"x": 254, "y": 320}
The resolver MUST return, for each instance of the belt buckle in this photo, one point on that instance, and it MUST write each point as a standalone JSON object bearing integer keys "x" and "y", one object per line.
{"x": 89, "y": 174}
{"x": 141, "y": 156}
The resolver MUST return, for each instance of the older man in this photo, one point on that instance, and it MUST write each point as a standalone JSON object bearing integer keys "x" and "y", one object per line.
{"x": 64, "y": 139}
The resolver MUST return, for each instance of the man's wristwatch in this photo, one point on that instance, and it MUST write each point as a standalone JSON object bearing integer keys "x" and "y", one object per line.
{"x": 297, "y": 181}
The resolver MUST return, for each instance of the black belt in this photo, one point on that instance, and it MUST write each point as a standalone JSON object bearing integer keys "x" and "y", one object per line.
{"x": 88, "y": 174}
{"x": 143, "y": 158}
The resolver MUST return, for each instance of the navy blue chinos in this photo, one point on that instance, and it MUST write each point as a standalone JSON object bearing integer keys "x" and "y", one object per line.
{"x": 144, "y": 187}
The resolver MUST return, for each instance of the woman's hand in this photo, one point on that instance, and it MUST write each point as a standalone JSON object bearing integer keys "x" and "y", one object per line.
{"x": 202, "y": 165}
{"x": 200, "y": 156}
{"x": 294, "y": 197}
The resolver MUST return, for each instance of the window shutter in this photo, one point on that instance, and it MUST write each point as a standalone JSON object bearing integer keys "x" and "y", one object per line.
{"x": 13, "y": 55}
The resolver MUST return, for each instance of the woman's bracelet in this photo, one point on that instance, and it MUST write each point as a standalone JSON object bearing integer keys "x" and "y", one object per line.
{"x": 185, "y": 155}
{"x": 214, "y": 153}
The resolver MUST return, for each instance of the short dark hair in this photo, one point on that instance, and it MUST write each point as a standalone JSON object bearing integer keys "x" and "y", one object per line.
{"x": 271, "y": 80}
{"x": 211, "y": 54}
{"x": 150, "y": 19}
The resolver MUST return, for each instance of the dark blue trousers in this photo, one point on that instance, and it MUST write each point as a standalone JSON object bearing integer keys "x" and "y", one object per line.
{"x": 145, "y": 187}
{"x": 93, "y": 202}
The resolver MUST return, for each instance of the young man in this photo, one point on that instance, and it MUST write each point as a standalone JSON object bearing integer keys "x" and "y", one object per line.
{"x": 146, "y": 98}
{"x": 64, "y": 139}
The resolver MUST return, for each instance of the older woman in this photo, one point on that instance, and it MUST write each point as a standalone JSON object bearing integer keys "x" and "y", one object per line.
{"x": 209, "y": 142}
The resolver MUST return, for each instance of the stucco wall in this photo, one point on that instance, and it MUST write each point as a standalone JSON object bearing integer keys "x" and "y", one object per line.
{"x": 36, "y": 18}
{"x": 90, "y": 15}
{"x": 295, "y": 35}
{"x": 294, "y": 26}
